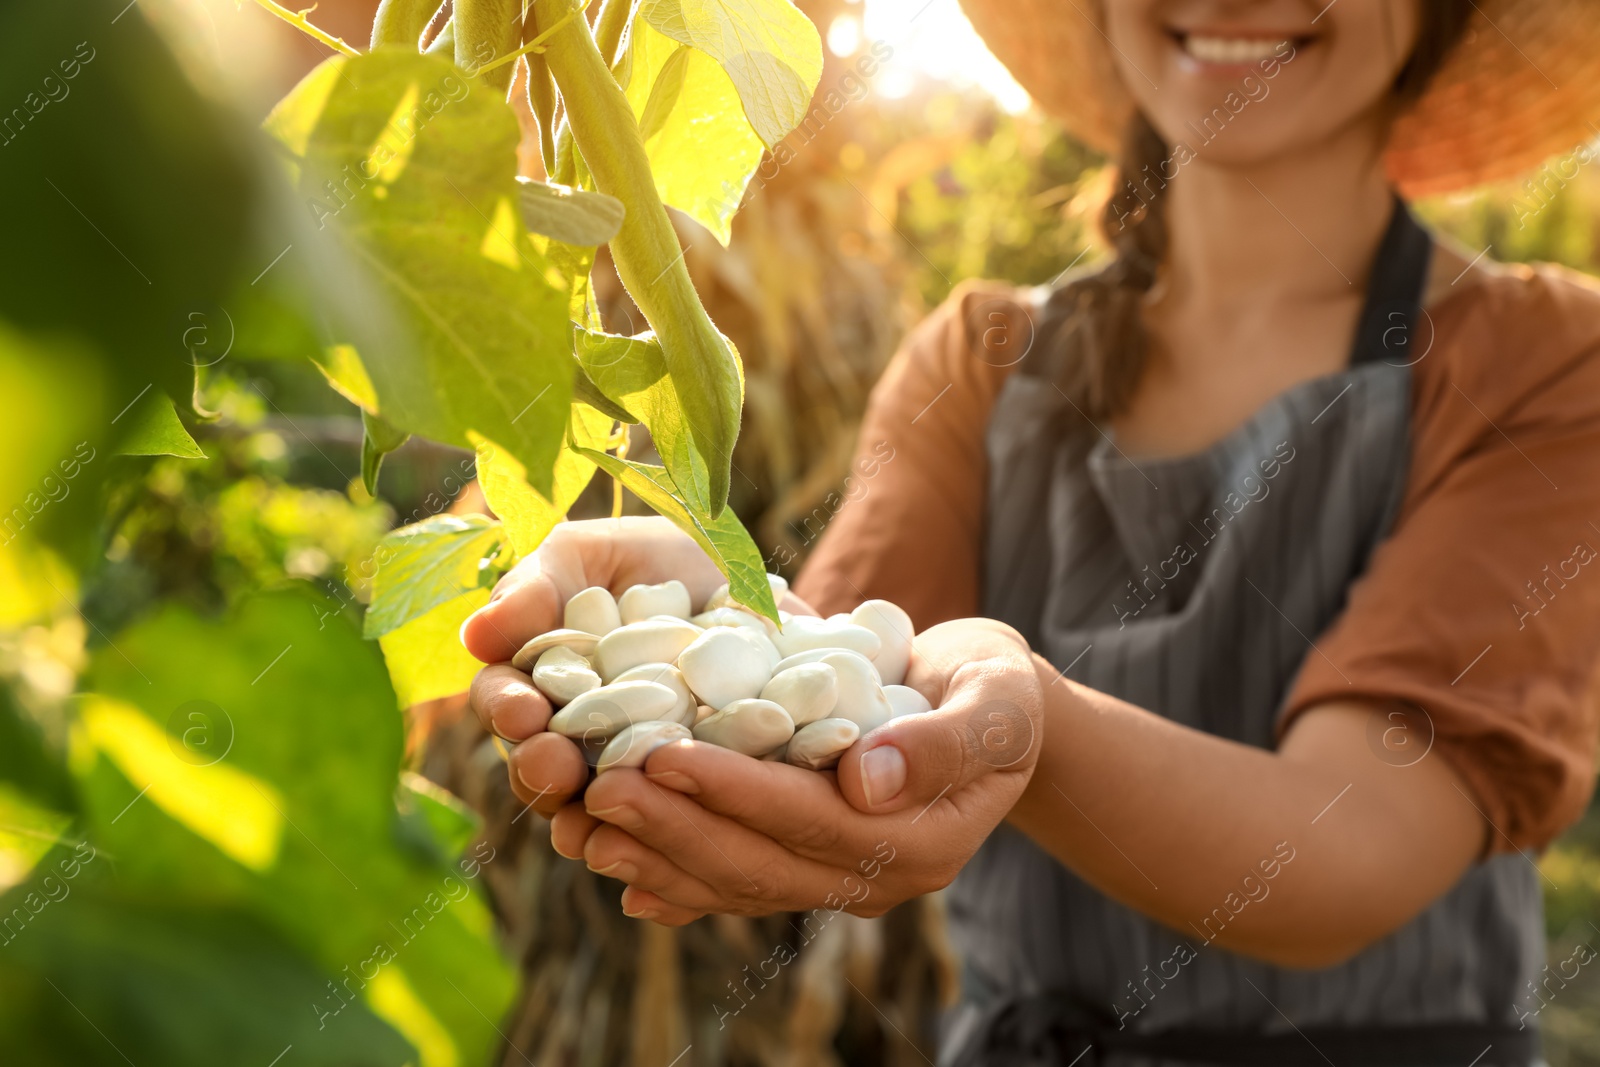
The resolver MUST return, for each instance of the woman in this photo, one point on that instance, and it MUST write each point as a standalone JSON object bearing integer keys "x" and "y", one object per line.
{"x": 1281, "y": 522}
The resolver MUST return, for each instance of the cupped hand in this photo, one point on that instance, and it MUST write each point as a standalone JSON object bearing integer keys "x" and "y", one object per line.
{"x": 701, "y": 829}
{"x": 548, "y": 770}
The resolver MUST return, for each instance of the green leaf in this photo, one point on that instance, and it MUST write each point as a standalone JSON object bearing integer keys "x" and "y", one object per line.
{"x": 586, "y": 392}
{"x": 413, "y": 166}
{"x": 113, "y": 257}
{"x": 451, "y": 823}
{"x": 632, "y": 371}
{"x": 724, "y": 538}
{"x": 572, "y": 216}
{"x": 28, "y": 830}
{"x": 665, "y": 91}
{"x": 770, "y": 50}
{"x": 341, "y": 365}
{"x": 155, "y": 430}
{"x": 702, "y": 149}
{"x": 186, "y": 984}
{"x": 265, "y": 767}
{"x": 528, "y": 515}
{"x": 378, "y": 439}
{"x": 425, "y": 657}
{"x": 425, "y": 564}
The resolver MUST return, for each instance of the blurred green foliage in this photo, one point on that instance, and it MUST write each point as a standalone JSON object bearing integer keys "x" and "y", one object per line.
{"x": 207, "y": 851}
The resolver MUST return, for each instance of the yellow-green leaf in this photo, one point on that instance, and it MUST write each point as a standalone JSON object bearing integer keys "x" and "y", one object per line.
{"x": 633, "y": 372}
{"x": 425, "y": 656}
{"x": 425, "y": 564}
{"x": 770, "y": 50}
{"x": 527, "y": 514}
{"x": 155, "y": 430}
{"x": 342, "y": 366}
{"x": 702, "y": 149}
{"x": 724, "y": 538}
{"x": 412, "y": 166}
{"x": 572, "y": 216}
{"x": 378, "y": 439}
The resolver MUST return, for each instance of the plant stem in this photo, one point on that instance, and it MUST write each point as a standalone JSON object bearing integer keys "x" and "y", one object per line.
{"x": 648, "y": 257}
{"x": 616, "y": 483}
{"x": 299, "y": 21}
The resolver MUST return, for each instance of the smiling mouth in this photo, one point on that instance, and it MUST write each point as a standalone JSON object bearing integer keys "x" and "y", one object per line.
{"x": 1225, "y": 49}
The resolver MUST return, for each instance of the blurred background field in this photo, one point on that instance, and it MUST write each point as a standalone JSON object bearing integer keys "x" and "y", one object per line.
{"x": 923, "y": 179}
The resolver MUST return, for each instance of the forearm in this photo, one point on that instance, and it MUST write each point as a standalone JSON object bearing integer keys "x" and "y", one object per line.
{"x": 1300, "y": 857}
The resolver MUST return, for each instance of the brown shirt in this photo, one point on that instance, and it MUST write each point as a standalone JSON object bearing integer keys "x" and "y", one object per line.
{"x": 1483, "y": 605}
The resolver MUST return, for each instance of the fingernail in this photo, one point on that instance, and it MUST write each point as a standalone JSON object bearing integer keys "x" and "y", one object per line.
{"x": 883, "y": 774}
{"x": 622, "y": 816}
{"x": 642, "y": 913}
{"x": 675, "y": 780}
{"x": 622, "y": 871}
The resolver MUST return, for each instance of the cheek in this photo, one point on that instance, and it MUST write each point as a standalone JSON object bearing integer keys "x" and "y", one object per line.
{"x": 1134, "y": 30}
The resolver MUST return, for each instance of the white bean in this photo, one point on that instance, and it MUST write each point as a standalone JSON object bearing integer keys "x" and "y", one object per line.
{"x": 894, "y": 629}
{"x": 808, "y": 692}
{"x": 563, "y": 675}
{"x": 725, "y": 664}
{"x": 668, "y": 675}
{"x": 651, "y": 641}
{"x": 904, "y": 700}
{"x": 804, "y": 633}
{"x": 640, "y": 602}
{"x": 633, "y": 745}
{"x": 605, "y": 711}
{"x": 594, "y": 610}
{"x": 752, "y": 726}
{"x": 817, "y": 746}
{"x": 578, "y": 640}
{"x": 861, "y": 698}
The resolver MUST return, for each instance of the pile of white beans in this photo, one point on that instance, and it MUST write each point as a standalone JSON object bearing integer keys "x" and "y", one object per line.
{"x": 632, "y": 673}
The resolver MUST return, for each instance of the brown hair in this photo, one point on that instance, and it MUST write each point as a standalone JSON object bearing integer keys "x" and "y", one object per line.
{"x": 1096, "y": 319}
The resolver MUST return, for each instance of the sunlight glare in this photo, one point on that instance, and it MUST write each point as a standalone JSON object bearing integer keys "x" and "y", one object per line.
{"x": 933, "y": 39}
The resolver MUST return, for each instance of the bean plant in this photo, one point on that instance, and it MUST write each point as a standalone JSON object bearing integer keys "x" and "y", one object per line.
{"x": 407, "y": 155}
{"x": 208, "y": 850}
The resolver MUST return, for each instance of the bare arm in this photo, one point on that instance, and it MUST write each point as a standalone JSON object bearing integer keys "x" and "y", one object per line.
{"x": 1300, "y": 857}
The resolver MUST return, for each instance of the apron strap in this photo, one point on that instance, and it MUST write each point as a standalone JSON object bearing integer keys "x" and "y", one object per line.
{"x": 1387, "y": 329}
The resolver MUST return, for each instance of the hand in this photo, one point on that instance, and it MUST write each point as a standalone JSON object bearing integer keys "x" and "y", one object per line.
{"x": 548, "y": 770}
{"x": 701, "y": 829}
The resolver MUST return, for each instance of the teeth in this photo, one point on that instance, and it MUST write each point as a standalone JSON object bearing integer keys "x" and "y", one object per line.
{"x": 1231, "y": 49}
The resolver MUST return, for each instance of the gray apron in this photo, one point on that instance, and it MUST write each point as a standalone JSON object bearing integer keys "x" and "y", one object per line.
{"x": 1192, "y": 587}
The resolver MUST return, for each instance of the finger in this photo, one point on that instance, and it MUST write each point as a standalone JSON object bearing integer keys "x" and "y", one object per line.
{"x": 526, "y": 603}
{"x": 642, "y": 904}
{"x": 751, "y": 870}
{"x": 616, "y": 854}
{"x": 988, "y": 723}
{"x": 547, "y": 771}
{"x": 794, "y": 605}
{"x": 801, "y": 810}
{"x": 570, "y": 828}
{"x": 507, "y": 704}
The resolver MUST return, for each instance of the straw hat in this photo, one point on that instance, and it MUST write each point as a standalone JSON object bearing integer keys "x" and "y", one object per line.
{"x": 1522, "y": 85}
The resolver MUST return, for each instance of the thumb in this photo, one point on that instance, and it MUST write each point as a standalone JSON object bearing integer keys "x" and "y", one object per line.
{"x": 988, "y": 724}
{"x": 525, "y": 604}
